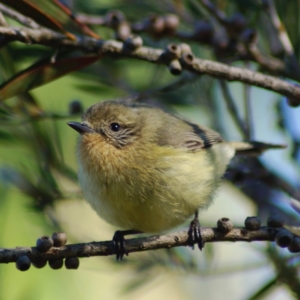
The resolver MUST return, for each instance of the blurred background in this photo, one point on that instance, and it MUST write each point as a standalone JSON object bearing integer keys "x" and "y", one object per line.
{"x": 38, "y": 170}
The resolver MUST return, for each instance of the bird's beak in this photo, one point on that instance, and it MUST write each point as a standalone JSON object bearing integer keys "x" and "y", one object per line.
{"x": 81, "y": 128}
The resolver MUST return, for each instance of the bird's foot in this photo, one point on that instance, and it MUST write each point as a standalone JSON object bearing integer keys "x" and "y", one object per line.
{"x": 120, "y": 242}
{"x": 194, "y": 233}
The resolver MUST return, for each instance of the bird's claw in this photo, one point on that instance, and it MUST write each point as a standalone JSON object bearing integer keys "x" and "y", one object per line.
{"x": 194, "y": 234}
{"x": 120, "y": 244}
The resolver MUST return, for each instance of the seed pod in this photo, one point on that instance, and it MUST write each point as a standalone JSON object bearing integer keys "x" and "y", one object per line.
{"x": 175, "y": 67}
{"x": 171, "y": 23}
{"x": 252, "y": 223}
{"x": 56, "y": 264}
{"x": 293, "y": 102}
{"x": 222, "y": 46}
{"x": 155, "y": 25}
{"x": 171, "y": 52}
{"x": 59, "y": 239}
{"x": 284, "y": 238}
{"x": 23, "y": 263}
{"x": 275, "y": 221}
{"x": 114, "y": 18}
{"x": 237, "y": 23}
{"x": 185, "y": 48}
{"x": 248, "y": 36}
{"x": 203, "y": 32}
{"x": 39, "y": 264}
{"x": 224, "y": 225}
{"x": 294, "y": 246}
{"x": 72, "y": 263}
{"x": 44, "y": 243}
{"x": 133, "y": 42}
{"x": 187, "y": 58}
{"x": 123, "y": 31}
{"x": 75, "y": 107}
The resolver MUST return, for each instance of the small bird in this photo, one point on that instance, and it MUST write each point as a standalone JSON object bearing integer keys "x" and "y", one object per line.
{"x": 145, "y": 170}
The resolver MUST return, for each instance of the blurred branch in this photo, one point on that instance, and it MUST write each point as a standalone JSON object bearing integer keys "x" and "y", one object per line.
{"x": 118, "y": 49}
{"x": 170, "y": 87}
{"x": 218, "y": 14}
{"x": 249, "y": 115}
{"x": 232, "y": 108}
{"x": 2, "y": 20}
{"x": 264, "y": 289}
{"x": 28, "y": 22}
{"x": 291, "y": 63}
{"x": 271, "y": 64}
{"x": 236, "y": 27}
{"x": 286, "y": 273}
{"x": 238, "y": 41}
{"x": 281, "y": 31}
{"x": 254, "y": 169}
{"x": 29, "y": 36}
{"x": 139, "y": 244}
{"x": 44, "y": 116}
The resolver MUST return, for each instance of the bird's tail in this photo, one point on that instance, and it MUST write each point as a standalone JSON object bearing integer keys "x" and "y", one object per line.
{"x": 253, "y": 148}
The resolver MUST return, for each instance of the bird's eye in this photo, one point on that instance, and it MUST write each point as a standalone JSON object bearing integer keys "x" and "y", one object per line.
{"x": 115, "y": 127}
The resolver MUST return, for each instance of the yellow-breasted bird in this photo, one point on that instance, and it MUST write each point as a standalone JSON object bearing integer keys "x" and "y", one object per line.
{"x": 145, "y": 170}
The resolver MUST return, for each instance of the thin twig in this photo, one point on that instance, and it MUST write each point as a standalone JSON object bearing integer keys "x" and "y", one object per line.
{"x": 233, "y": 110}
{"x": 218, "y": 14}
{"x": 117, "y": 49}
{"x": 187, "y": 78}
{"x": 291, "y": 62}
{"x": 91, "y": 19}
{"x": 2, "y": 20}
{"x": 286, "y": 273}
{"x": 248, "y": 110}
{"x": 281, "y": 31}
{"x": 271, "y": 64}
{"x": 139, "y": 244}
{"x": 28, "y": 22}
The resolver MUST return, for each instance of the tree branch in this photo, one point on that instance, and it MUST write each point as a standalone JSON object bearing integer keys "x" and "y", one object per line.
{"x": 111, "y": 47}
{"x": 18, "y": 17}
{"x": 232, "y": 108}
{"x": 281, "y": 31}
{"x": 202, "y": 35}
{"x": 138, "y": 244}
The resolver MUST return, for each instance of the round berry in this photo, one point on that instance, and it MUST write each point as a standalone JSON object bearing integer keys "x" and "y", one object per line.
{"x": 284, "y": 238}
{"x": 59, "y": 239}
{"x": 275, "y": 221}
{"x": 23, "y": 263}
{"x": 44, "y": 243}
{"x": 72, "y": 263}
{"x": 252, "y": 223}
{"x": 75, "y": 107}
{"x": 41, "y": 263}
{"x": 224, "y": 225}
{"x": 56, "y": 264}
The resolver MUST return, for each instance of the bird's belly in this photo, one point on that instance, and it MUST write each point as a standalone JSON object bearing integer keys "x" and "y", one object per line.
{"x": 156, "y": 197}
{"x": 153, "y": 215}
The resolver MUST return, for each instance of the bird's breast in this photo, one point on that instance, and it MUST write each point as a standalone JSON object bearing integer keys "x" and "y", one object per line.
{"x": 152, "y": 190}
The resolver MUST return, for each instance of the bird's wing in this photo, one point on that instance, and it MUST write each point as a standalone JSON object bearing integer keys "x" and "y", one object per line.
{"x": 180, "y": 133}
{"x": 199, "y": 137}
